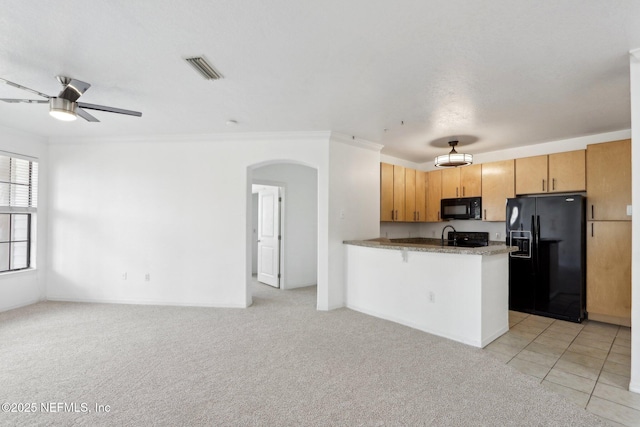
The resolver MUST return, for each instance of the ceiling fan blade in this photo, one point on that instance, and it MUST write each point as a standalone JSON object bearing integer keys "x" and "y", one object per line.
{"x": 109, "y": 109}
{"x": 88, "y": 117}
{"x": 27, "y": 101}
{"x": 73, "y": 89}
{"x": 16, "y": 85}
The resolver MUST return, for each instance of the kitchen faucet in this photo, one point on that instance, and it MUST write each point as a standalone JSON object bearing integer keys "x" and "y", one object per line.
{"x": 442, "y": 237}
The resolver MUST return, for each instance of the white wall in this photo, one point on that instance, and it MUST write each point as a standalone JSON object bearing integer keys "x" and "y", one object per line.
{"x": 354, "y": 205}
{"x": 635, "y": 196}
{"x": 21, "y": 288}
{"x": 176, "y": 208}
{"x": 300, "y": 228}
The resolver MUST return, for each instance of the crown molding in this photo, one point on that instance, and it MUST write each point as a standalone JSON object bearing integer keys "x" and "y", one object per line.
{"x": 213, "y": 137}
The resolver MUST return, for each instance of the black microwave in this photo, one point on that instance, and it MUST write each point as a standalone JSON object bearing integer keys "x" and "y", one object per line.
{"x": 462, "y": 208}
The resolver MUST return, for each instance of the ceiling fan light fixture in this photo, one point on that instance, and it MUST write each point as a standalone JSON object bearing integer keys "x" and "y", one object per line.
{"x": 63, "y": 109}
{"x": 453, "y": 159}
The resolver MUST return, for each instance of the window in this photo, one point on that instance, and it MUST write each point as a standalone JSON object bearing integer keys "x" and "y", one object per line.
{"x": 18, "y": 207}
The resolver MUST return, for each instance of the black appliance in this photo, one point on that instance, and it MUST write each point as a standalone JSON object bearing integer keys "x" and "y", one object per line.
{"x": 547, "y": 272}
{"x": 467, "y": 239}
{"x": 461, "y": 208}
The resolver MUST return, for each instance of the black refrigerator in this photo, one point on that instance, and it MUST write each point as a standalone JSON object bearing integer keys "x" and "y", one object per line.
{"x": 547, "y": 272}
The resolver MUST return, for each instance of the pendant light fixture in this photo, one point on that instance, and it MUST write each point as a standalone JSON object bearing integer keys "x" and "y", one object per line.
{"x": 453, "y": 159}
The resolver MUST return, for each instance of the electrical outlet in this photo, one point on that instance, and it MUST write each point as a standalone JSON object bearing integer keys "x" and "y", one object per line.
{"x": 124, "y": 276}
{"x": 497, "y": 236}
{"x": 432, "y": 297}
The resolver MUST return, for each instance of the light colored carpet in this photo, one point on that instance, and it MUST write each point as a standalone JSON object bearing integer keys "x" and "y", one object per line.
{"x": 278, "y": 363}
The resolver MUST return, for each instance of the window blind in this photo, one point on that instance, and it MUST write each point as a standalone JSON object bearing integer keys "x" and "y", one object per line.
{"x": 18, "y": 185}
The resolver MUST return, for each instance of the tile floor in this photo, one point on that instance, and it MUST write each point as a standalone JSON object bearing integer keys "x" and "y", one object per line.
{"x": 589, "y": 363}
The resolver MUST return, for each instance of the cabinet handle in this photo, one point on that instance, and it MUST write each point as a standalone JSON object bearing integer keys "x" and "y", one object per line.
{"x": 457, "y": 192}
{"x": 414, "y": 216}
{"x": 591, "y": 229}
{"x": 485, "y": 214}
{"x": 553, "y": 184}
{"x": 543, "y": 185}
{"x": 463, "y": 191}
{"x": 592, "y": 212}
{"x": 438, "y": 215}
{"x": 396, "y": 215}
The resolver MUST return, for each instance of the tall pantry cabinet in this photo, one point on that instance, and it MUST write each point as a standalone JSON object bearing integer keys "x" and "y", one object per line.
{"x": 609, "y": 232}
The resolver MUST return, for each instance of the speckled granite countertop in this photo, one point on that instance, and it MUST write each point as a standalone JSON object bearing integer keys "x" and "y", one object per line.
{"x": 423, "y": 244}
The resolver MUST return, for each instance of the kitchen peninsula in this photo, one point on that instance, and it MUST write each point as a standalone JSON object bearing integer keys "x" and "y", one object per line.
{"x": 459, "y": 293}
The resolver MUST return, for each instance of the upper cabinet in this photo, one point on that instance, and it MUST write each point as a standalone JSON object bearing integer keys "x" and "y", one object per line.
{"x": 414, "y": 195}
{"x": 392, "y": 196}
{"x": 497, "y": 186}
{"x": 421, "y": 196}
{"x": 609, "y": 180}
{"x": 402, "y": 194}
{"x": 555, "y": 173}
{"x": 471, "y": 180}
{"x": 465, "y": 181}
{"x": 567, "y": 171}
{"x": 434, "y": 194}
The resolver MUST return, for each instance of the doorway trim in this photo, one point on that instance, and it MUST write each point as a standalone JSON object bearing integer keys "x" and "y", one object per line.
{"x": 321, "y": 238}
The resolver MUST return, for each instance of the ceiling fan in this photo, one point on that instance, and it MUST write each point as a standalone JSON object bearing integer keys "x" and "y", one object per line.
{"x": 65, "y": 106}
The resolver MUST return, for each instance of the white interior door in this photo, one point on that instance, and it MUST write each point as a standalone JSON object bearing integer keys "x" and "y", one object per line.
{"x": 269, "y": 236}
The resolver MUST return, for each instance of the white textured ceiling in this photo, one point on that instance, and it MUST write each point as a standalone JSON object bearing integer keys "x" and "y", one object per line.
{"x": 501, "y": 73}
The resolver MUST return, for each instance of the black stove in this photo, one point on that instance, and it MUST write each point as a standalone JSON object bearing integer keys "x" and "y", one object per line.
{"x": 467, "y": 239}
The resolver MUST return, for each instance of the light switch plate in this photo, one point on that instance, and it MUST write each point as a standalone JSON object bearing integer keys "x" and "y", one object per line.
{"x": 629, "y": 210}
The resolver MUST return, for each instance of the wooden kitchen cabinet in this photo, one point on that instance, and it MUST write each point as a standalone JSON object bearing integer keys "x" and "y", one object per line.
{"x": 567, "y": 171}
{"x": 421, "y": 196}
{"x": 464, "y": 181}
{"x": 451, "y": 183}
{"x": 410, "y": 195}
{"x": 609, "y": 271}
{"x": 609, "y": 180}
{"x": 498, "y": 184}
{"x": 532, "y": 175}
{"x": 434, "y": 194}
{"x": 386, "y": 192}
{"x": 392, "y": 188}
{"x": 555, "y": 173}
{"x": 471, "y": 180}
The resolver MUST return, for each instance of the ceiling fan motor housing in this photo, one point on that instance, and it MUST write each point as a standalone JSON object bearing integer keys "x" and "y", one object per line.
{"x": 63, "y": 109}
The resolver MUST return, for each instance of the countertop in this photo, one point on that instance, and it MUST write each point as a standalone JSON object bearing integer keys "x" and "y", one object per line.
{"x": 423, "y": 244}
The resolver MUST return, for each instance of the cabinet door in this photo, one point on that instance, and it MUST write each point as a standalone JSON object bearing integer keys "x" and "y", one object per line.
{"x": 609, "y": 180}
{"x": 531, "y": 175}
{"x": 451, "y": 183}
{"x": 421, "y": 196}
{"x": 567, "y": 171}
{"x": 609, "y": 270}
{"x": 398, "y": 193}
{"x": 434, "y": 194}
{"x": 410, "y": 195}
{"x": 386, "y": 192}
{"x": 497, "y": 186}
{"x": 471, "y": 180}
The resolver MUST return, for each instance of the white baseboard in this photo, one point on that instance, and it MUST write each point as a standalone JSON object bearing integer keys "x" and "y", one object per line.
{"x": 144, "y": 302}
{"x": 24, "y": 304}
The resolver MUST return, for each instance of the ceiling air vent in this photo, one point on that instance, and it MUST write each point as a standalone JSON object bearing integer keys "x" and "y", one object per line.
{"x": 204, "y": 68}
